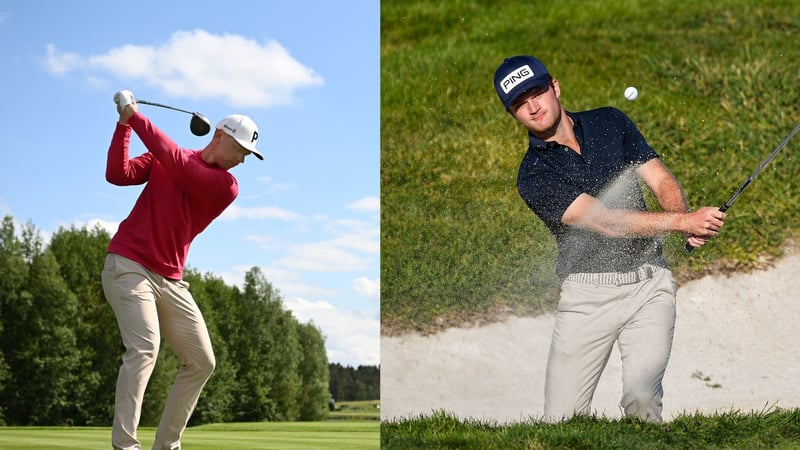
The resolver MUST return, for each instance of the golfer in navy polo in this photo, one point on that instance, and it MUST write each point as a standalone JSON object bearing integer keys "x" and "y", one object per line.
{"x": 582, "y": 176}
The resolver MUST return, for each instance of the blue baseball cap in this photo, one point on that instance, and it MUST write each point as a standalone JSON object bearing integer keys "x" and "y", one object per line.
{"x": 518, "y": 75}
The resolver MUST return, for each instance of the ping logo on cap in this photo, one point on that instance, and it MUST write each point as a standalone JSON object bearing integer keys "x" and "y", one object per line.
{"x": 255, "y": 136}
{"x": 517, "y": 76}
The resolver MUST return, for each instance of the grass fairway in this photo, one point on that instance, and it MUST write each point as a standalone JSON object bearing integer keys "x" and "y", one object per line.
{"x": 357, "y": 410}
{"x": 265, "y": 435}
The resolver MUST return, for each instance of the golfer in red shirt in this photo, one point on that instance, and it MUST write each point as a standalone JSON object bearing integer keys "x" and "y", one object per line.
{"x": 184, "y": 190}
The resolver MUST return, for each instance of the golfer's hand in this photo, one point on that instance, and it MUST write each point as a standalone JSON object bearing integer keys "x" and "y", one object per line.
{"x": 695, "y": 242}
{"x": 703, "y": 224}
{"x": 126, "y": 105}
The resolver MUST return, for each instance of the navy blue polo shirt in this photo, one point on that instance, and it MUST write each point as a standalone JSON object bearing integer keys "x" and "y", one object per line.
{"x": 551, "y": 176}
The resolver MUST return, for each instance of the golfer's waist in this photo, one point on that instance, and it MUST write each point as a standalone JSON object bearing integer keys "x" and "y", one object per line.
{"x": 642, "y": 273}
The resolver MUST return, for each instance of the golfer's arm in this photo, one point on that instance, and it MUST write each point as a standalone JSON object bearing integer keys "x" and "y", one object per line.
{"x": 664, "y": 185}
{"x": 120, "y": 169}
{"x": 589, "y": 213}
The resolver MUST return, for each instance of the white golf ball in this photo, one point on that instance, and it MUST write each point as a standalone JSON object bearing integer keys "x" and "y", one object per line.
{"x": 631, "y": 93}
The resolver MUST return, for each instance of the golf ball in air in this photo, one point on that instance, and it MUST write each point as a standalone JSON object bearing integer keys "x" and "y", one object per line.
{"x": 631, "y": 93}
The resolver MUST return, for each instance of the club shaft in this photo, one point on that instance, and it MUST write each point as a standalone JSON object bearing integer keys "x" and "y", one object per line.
{"x": 749, "y": 179}
{"x": 145, "y": 102}
{"x": 760, "y": 168}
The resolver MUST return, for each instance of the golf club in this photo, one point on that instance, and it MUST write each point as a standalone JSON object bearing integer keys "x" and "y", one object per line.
{"x": 199, "y": 124}
{"x": 746, "y": 183}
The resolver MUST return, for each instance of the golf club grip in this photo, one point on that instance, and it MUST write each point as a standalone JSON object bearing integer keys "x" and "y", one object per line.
{"x": 688, "y": 248}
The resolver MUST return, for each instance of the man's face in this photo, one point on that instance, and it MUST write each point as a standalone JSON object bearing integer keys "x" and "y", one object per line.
{"x": 538, "y": 109}
{"x": 230, "y": 153}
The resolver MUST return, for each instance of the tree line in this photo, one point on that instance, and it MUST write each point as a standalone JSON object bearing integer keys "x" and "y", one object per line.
{"x": 348, "y": 383}
{"x": 60, "y": 348}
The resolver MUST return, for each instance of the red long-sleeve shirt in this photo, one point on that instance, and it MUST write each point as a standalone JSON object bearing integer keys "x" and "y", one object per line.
{"x": 182, "y": 196}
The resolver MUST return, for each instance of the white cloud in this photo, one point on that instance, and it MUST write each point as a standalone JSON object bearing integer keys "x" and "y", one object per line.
{"x": 350, "y": 248}
{"x": 355, "y": 234}
{"x": 366, "y": 204}
{"x": 265, "y": 242}
{"x": 323, "y": 257}
{"x": 197, "y": 64}
{"x": 61, "y": 63}
{"x": 107, "y": 225}
{"x": 370, "y": 289}
{"x": 291, "y": 283}
{"x": 287, "y": 282}
{"x": 351, "y": 337}
{"x": 110, "y": 227}
{"x": 272, "y": 186}
{"x": 362, "y": 238}
{"x": 234, "y": 212}
{"x": 234, "y": 276}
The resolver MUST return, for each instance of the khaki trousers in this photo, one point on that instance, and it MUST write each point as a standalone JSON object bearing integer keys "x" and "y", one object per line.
{"x": 148, "y": 306}
{"x": 640, "y": 317}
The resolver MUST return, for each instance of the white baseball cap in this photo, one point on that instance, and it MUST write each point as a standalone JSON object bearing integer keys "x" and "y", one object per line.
{"x": 243, "y": 129}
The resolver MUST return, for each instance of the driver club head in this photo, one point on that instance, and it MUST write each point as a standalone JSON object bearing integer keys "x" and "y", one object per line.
{"x": 199, "y": 125}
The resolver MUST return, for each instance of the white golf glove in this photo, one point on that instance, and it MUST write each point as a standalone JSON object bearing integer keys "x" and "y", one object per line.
{"x": 123, "y": 99}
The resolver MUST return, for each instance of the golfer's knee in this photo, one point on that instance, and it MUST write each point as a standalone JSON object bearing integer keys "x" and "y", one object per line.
{"x": 209, "y": 364}
{"x": 143, "y": 354}
{"x": 203, "y": 365}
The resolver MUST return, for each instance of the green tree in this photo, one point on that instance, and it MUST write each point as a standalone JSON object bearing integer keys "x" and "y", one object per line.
{"x": 214, "y": 298}
{"x": 340, "y": 379}
{"x": 246, "y": 331}
{"x": 368, "y": 384}
{"x": 348, "y": 384}
{"x": 313, "y": 397}
{"x": 81, "y": 255}
{"x": 13, "y": 272}
{"x": 285, "y": 359}
{"x": 266, "y": 353}
{"x": 38, "y": 341}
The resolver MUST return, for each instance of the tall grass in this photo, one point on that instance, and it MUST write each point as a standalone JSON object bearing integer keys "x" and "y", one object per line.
{"x": 776, "y": 429}
{"x": 719, "y": 89}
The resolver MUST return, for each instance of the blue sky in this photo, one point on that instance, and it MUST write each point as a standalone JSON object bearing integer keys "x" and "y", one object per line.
{"x": 306, "y": 72}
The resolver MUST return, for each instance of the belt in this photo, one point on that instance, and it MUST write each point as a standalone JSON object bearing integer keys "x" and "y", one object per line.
{"x": 645, "y": 272}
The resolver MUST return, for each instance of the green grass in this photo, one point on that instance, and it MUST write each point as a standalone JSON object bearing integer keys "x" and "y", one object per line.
{"x": 777, "y": 429}
{"x": 357, "y": 410}
{"x": 344, "y": 434}
{"x": 718, "y": 91}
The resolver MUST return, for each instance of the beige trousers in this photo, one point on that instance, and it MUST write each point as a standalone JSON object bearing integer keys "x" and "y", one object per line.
{"x": 640, "y": 317}
{"x": 148, "y": 306}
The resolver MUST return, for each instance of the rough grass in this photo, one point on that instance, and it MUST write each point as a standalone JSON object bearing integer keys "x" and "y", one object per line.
{"x": 774, "y": 429}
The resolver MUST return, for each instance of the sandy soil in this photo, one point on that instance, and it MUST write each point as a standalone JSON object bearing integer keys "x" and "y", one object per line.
{"x": 735, "y": 348}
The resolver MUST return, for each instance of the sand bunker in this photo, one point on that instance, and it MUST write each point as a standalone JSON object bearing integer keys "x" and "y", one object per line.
{"x": 736, "y": 347}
